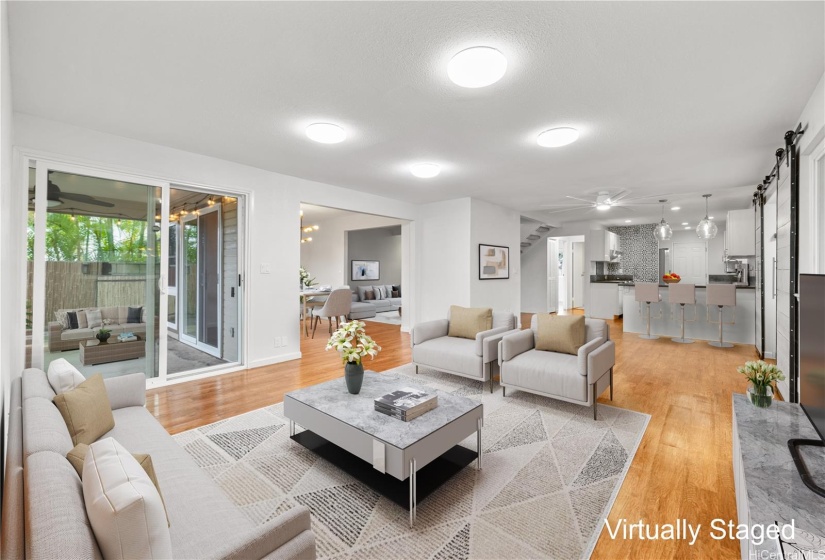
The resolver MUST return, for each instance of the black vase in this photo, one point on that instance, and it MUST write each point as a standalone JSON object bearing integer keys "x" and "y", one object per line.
{"x": 103, "y": 337}
{"x": 354, "y": 376}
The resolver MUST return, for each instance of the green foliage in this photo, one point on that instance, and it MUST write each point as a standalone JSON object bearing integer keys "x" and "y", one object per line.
{"x": 91, "y": 239}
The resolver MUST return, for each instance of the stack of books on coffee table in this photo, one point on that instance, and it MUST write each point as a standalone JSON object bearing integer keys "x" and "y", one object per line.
{"x": 406, "y": 404}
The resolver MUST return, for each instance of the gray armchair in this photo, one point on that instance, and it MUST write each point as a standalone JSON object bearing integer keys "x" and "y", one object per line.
{"x": 431, "y": 347}
{"x": 577, "y": 379}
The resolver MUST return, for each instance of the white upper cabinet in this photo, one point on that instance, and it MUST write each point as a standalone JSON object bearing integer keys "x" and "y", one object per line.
{"x": 603, "y": 246}
{"x": 740, "y": 236}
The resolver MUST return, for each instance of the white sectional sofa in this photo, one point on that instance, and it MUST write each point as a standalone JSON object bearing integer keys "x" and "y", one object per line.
{"x": 44, "y": 513}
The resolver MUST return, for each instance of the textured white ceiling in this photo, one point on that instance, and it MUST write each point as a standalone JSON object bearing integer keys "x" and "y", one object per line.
{"x": 670, "y": 97}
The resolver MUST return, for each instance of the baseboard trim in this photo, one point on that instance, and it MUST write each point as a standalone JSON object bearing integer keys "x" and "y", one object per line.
{"x": 275, "y": 360}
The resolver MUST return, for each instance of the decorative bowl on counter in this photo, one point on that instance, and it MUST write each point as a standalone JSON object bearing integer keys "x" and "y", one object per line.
{"x": 671, "y": 278}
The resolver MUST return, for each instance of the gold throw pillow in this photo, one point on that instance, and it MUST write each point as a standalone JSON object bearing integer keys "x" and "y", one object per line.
{"x": 78, "y": 455}
{"x": 467, "y": 322}
{"x": 86, "y": 410}
{"x": 564, "y": 334}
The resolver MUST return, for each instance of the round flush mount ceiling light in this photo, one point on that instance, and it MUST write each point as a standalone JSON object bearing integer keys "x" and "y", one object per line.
{"x": 477, "y": 67}
{"x": 425, "y": 170}
{"x": 557, "y": 137}
{"x": 675, "y": 208}
{"x": 628, "y": 221}
{"x": 326, "y": 133}
{"x": 603, "y": 207}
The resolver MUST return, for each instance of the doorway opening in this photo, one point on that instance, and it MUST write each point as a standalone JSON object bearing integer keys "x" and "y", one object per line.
{"x": 362, "y": 255}
{"x": 566, "y": 269}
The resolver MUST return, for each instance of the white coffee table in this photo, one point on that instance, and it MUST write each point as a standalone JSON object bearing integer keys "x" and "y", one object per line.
{"x": 346, "y": 430}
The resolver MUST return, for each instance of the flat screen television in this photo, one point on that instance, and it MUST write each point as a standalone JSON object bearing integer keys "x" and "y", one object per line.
{"x": 811, "y": 367}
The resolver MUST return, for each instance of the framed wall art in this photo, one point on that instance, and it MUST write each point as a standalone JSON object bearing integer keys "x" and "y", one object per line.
{"x": 493, "y": 262}
{"x": 365, "y": 270}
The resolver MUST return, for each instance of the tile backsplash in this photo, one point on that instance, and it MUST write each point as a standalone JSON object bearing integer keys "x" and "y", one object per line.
{"x": 640, "y": 252}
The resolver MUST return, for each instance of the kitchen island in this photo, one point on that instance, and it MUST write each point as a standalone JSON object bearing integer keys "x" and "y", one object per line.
{"x": 669, "y": 323}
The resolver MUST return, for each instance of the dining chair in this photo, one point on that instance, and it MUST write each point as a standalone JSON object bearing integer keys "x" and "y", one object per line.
{"x": 338, "y": 305}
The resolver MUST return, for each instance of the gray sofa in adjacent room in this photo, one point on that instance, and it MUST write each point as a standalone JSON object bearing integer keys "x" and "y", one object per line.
{"x": 44, "y": 514}
{"x": 578, "y": 379}
{"x": 363, "y": 308}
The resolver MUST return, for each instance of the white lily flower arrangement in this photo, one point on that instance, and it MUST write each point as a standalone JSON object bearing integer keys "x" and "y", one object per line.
{"x": 761, "y": 374}
{"x": 352, "y": 342}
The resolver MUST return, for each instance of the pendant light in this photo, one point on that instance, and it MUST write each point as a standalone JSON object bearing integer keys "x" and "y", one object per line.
{"x": 663, "y": 231}
{"x": 707, "y": 228}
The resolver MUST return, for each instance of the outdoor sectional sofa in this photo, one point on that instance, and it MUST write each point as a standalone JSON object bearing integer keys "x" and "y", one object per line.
{"x": 44, "y": 512}
{"x": 61, "y": 339}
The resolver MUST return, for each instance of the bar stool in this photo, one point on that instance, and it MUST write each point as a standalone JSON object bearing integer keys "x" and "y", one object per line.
{"x": 721, "y": 295}
{"x": 683, "y": 294}
{"x": 647, "y": 293}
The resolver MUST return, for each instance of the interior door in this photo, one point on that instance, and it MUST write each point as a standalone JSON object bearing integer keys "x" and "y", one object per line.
{"x": 690, "y": 262}
{"x": 769, "y": 276}
{"x": 552, "y": 276}
{"x": 578, "y": 274}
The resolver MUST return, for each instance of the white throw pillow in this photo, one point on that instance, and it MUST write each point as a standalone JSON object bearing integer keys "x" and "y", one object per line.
{"x": 62, "y": 317}
{"x": 63, "y": 376}
{"x": 124, "y": 507}
{"x": 95, "y": 318}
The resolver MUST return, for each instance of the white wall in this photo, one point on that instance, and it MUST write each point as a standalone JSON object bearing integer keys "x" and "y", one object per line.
{"x": 325, "y": 257}
{"x": 273, "y": 217}
{"x": 534, "y": 278}
{"x": 8, "y": 293}
{"x": 443, "y": 258}
{"x": 494, "y": 225}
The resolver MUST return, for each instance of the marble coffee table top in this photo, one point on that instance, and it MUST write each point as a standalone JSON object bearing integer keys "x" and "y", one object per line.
{"x": 332, "y": 398}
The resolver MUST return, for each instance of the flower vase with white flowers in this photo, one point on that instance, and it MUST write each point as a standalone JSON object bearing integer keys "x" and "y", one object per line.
{"x": 763, "y": 377}
{"x": 353, "y": 345}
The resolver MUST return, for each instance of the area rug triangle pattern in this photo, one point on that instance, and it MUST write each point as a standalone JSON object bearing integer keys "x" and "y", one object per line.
{"x": 549, "y": 477}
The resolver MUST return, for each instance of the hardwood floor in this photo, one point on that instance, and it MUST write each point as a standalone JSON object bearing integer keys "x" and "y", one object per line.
{"x": 682, "y": 469}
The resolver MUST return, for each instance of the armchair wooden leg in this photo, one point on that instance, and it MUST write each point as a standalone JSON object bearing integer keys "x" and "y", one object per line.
{"x": 416, "y": 370}
{"x": 504, "y": 391}
{"x": 593, "y": 389}
{"x": 611, "y": 384}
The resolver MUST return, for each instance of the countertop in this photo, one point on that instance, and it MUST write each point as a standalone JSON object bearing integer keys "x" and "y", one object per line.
{"x": 662, "y": 285}
{"x": 776, "y": 493}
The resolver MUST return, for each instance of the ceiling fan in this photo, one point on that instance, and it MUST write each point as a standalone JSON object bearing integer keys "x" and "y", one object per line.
{"x": 56, "y": 197}
{"x": 604, "y": 201}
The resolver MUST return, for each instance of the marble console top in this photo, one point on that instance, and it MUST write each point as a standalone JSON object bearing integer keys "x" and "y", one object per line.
{"x": 776, "y": 492}
{"x": 332, "y": 398}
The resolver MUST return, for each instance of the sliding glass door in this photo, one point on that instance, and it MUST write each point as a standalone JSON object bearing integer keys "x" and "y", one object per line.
{"x": 201, "y": 282}
{"x": 97, "y": 242}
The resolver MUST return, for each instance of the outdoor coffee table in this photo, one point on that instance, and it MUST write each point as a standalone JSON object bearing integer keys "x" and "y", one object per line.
{"x": 94, "y": 352}
{"x": 347, "y": 431}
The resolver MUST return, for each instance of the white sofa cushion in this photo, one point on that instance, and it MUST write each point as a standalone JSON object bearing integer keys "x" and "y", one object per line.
{"x": 456, "y": 355}
{"x": 546, "y": 372}
{"x": 95, "y": 318}
{"x": 123, "y": 505}
{"x": 63, "y": 376}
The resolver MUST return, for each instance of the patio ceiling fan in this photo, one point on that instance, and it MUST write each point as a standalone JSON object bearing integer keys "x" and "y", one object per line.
{"x": 603, "y": 202}
{"x": 55, "y": 197}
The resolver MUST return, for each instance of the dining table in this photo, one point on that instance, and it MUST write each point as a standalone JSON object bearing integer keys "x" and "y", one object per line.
{"x": 305, "y": 295}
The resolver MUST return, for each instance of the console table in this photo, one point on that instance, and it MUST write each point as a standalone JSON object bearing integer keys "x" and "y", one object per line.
{"x": 769, "y": 489}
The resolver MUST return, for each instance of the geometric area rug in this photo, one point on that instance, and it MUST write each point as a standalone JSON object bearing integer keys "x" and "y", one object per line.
{"x": 550, "y": 476}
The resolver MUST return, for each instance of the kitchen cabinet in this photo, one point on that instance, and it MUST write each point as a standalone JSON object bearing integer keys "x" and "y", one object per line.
{"x": 605, "y": 300}
{"x": 739, "y": 234}
{"x": 603, "y": 246}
